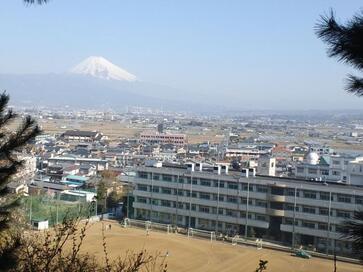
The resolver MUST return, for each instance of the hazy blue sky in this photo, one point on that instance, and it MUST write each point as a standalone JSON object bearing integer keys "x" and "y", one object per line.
{"x": 241, "y": 50}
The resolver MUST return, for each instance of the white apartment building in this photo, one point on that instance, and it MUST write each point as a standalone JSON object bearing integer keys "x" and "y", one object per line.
{"x": 295, "y": 212}
{"x": 336, "y": 167}
{"x": 98, "y": 163}
{"x": 82, "y": 136}
{"x": 320, "y": 149}
{"x": 246, "y": 151}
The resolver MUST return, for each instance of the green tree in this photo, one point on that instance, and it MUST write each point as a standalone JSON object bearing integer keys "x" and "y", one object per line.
{"x": 101, "y": 196}
{"x": 36, "y": 2}
{"x": 12, "y": 142}
{"x": 353, "y": 230}
{"x": 113, "y": 199}
{"x": 346, "y": 43}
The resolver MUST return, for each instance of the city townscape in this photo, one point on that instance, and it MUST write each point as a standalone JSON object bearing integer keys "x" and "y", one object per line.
{"x": 291, "y": 180}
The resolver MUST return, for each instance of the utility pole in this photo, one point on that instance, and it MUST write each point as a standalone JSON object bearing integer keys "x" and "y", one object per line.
{"x": 248, "y": 198}
{"x": 30, "y": 210}
{"x": 57, "y": 204}
{"x": 294, "y": 220}
{"x": 217, "y": 221}
{"x": 335, "y": 258}
{"x": 177, "y": 201}
{"x": 328, "y": 231}
{"x": 151, "y": 193}
{"x": 127, "y": 205}
{"x": 190, "y": 198}
{"x": 96, "y": 202}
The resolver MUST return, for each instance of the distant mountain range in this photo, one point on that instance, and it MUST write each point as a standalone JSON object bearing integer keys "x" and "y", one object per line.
{"x": 99, "y": 84}
{"x": 95, "y": 82}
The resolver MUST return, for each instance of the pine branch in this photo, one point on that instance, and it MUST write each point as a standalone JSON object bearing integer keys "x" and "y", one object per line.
{"x": 25, "y": 132}
{"x": 344, "y": 41}
{"x": 39, "y": 2}
{"x": 11, "y": 143}
{"x": 355, "y": 85}
{"x": 5, "y": 118}
{"x": 4, "y": 100}
{"x": 353, "y": 230}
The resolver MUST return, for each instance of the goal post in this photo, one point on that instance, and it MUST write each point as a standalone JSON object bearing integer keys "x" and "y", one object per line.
{"x": 259, "y": 244}
{"x": 169, "y": 229}
{"x": 235, "y": 240}
{"x": 161, "y": 227}
{"x": 211, "y": 235}
{"x": 147, "y": 225}
{"x": 126, "y": 223}
{"x": 135, "y": 223}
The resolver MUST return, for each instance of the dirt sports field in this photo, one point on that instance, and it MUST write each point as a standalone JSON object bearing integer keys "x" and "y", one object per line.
{"x": 192, "y": 254}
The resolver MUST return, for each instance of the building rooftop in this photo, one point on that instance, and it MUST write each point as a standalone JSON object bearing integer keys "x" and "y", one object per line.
{"x": 233, "y": 175}
{"x": 80, "y": 133}
{"x": 76, "y": 177}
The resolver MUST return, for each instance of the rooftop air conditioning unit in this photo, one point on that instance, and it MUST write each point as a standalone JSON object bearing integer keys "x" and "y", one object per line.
{"x": 199, "y": 166}
{"x": 225, "y": 169}
{"x": 217, "y": 169}
{"x": 190, "y": 167}
{"x": 245, "y": 172}
{"x": 252, "y": 172}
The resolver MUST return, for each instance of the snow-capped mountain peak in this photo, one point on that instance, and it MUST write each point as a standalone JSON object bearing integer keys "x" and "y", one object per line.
{"x": 101, "y": 68}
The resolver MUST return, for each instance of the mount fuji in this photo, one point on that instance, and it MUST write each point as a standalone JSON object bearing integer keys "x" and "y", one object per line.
{"x": 94, "y": 83}
{"x": 99, "y": 67}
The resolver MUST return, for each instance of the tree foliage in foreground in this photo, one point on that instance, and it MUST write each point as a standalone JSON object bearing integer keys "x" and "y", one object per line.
{"x": 345, "y": 41}
{"x": 31, "y": 2}
{"x": 353, "y": 230}
{"x": 59, "y": 250}
{"x": 12, "y": 143}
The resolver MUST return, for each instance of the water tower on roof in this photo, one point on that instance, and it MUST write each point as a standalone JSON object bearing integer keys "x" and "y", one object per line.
{"x": 312, "y": 158}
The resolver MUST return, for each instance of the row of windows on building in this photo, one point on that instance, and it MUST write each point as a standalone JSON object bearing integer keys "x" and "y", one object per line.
{"x": 252, "y": 202}
{"x": 343, "y": 198}
{"x": 194, "y": 181}
{"x": 162, "y": 137}
{"x": 203, "y": 209}
{"x": 319, "y": 211}
{"x": 172, "y": 218}
{"x": 313, "y": 225}
{"x": 168, "y": 218}
{"x": 315, "y": 171}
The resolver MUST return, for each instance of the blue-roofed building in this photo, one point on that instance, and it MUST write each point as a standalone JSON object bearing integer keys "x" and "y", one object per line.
{"x": 75, "y": 181}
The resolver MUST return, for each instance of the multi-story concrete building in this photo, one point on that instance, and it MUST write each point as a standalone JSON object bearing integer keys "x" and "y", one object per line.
{"x": 98, "y": 163}
{"x": 247, "y": 151}
{"x": 320, "y": 149}
{"x": 335, "y": 167}
{"x": 81, "y": 136}
{"x": 292, "y": 211}
{"x": 153, "y": 137}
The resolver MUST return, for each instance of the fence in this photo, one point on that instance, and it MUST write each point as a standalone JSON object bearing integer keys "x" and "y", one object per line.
{"x": 235, "y": 241}
{"x": 50, "y": 208}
